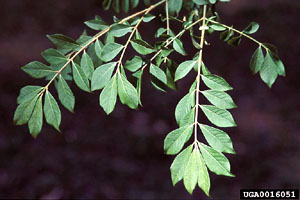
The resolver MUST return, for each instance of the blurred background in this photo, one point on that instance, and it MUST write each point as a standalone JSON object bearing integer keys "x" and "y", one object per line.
{"x": 121, "y": 155}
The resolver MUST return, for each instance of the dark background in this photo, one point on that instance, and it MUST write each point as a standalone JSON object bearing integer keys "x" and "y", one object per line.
{"x": 121, "y": 155}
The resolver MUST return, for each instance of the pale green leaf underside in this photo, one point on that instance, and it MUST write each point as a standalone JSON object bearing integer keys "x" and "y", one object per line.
{"x": 184, "y": 68}
{"x": 102, "y": 75}
{"x": 80, "y": 77}
{"x": 127, "y": 93}
{"x": 219, "y": 99}
{"x": 110, "y": 51}
{"x": 215, "y": 82}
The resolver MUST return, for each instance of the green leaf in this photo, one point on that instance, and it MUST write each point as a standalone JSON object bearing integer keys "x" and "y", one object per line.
{"x": 110, "y": 51}
{"x": 37, "y": 69}
{"x": 35, "y": 122}
{"x": 108, "y": 96}
{"x": 219, "y": 99}
{"x": 190, "y": 178}
{"x": 196, "y": 172}
{"x": 52, "y": 111}
{"x": 54, "y": 57}
{"x": 28, "y": 92}
{"x": 80, "y": 78}
{"x": 188, "y": 118}
{"x": 184, "y": 106}
{"x": 217, "y": 27}
{"x": 257, "y": 60}
{"x": 87, "y": 65}
{"x": 251, "y": 28}
{"x": 65, "y": 94}
{"x": 24, "y": 110}
{"x": 148, "y": 17}
{"x": 102, "y": 75}
{"x": 215, "y": 82}
{"x": 142, "y": 47}
{"x": 170, "y": 73}
{"x": 134, "y": 3}
{"x": 268, "y": 72}
{"x": 158, "y": 73}
{"x": 134, "y": 64}
{"x": 96, "y": 24}
{"x": 127, "y": 93}
{"x": 98, "y": 48}
{"x": 184, "y": 68}
{"x": 119, "y": 30}
{"x": 201, "y": 2}
{"x": 179, "y": 164}
{"x": 174, "y": 6}
{"x": 218, "y": 116}
{"x": 215, "y": 161}
{"x": 125, "y": 6}
{"x": 235, "y": 41}
{"x": 175, "y": 140}
{"x": 178, "y": 46}
{"x": 217, "y": 139}
{"x": 63, "y": 42}
{"x": 203, "y": 176}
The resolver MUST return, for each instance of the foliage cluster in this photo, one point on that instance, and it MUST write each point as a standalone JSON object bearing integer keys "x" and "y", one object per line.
{"x": 97, "y": 63}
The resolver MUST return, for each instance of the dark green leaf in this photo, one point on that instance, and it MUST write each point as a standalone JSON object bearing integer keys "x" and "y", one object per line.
{"x": 65, "y": 94}
{"x": 54, "y": 57}
{"x": 158, "y": 73}
{"x": 142, "y": 47}
{"x": 87, "y": 65}
{"x": 108, "y": 96}
{"x": 37, "y": 69}
{"x": 52, "y": 111}
{"x": 28, "y": 92}
{"x": 174, "y": 6}
{"x": 125, "y": 5}
{"x": 80, "y": 78}
{"x": 96, "y": 24}
{"x": 201, "y": 2}
{"x": 217, "y": 27}
{"x": 35, "y": 122}
{"x": 257, "y": 60}
{"x": 148, "y": 17}
{"x": 251, "y": 28}
{"x": 24, "y": 110}
{"x": 119, "y": 30}
{"x": 63, "y": 42}
{"x": 268, "y": 72}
